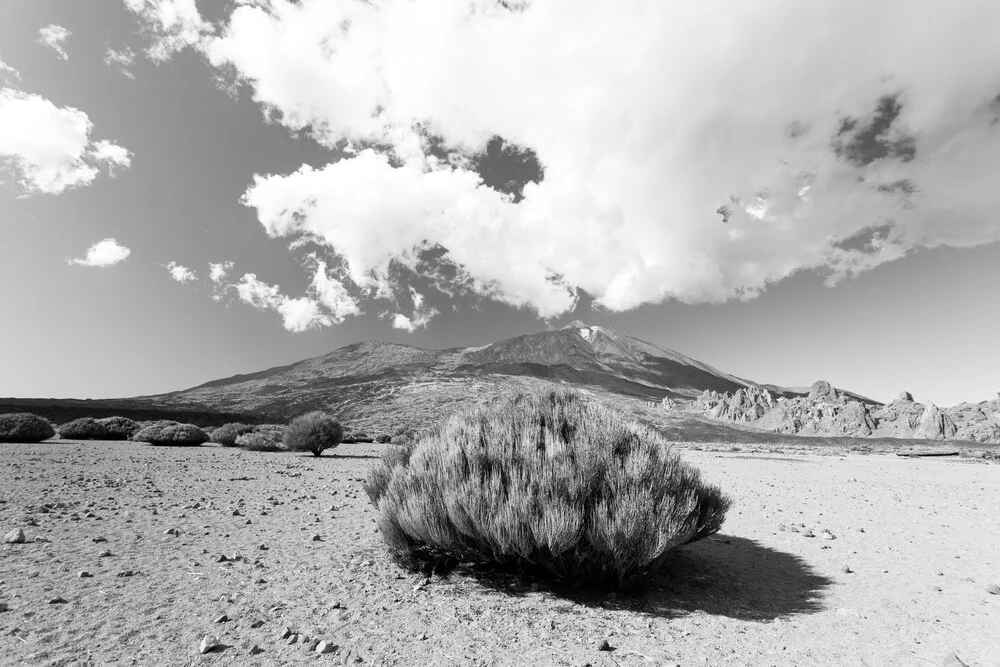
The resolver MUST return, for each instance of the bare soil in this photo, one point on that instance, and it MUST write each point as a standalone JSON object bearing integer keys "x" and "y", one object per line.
{"x": 921, "y": 539}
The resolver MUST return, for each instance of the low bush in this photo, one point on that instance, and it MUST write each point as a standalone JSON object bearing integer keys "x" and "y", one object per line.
{"x": 314, "y": 432}
{"x": 263, "y": 438}
{"x": 119, "y": 428}
{"x": 158, "y": 424}
{"x": 361, "y": 436}
{"x": 84, "y": 428}
{"x": 550, "y": 482}
{"x": 226, "y": 435}
{"x": 171, "y": 434}
{"x": 384, "y": 438}
{"x": 24, "y": 427}
{"x": 377, "y": 480}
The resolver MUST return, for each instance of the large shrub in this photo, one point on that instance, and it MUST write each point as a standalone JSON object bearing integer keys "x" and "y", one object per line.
{"x": 263, "y": 438}
{"x": 119, "y": 428}
{"x": 171, "y": 433}
{"x": 226, "y": 435}
{"x": 313, "y": 432}
{"x": 24, "y": 427}
{"x": 84, "y": 428}
{"x": 547, "y": 481}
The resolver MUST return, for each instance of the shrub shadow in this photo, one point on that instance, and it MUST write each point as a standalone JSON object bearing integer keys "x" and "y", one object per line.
{"x": 723, "y": 576}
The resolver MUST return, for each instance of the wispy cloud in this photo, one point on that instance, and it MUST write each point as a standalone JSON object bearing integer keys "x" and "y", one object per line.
{"x": 120, "y": 59}
{"x": 420, "y": 318}
{"x": 103, "y": 254}
{"x": 181, "y": 274}
{"x": 8, "y": 72}
{"x": 217, "y": 271}
{"x": 695, "y": 152}
{"x": 54, "y": 36}
{"x": 170, "y": 25}
{"x": 48, "y": 148}
{"x": 297, "y": 314}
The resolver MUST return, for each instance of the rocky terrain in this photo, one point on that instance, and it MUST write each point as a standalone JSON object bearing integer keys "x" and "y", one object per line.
{"x": 134, "y": 555}
{"x": 826, "y": 411}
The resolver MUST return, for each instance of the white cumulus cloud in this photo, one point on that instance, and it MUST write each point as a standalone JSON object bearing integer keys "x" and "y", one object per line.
{"x": 48, "y": 148}
{"x": 54, "y": 36}
{"x": 420, "y": 318}
{"x": 171, "y": 25}
{"x": 298, "y": 314}
{"x": 694, "y": 151}
{"x": 217, "y": 271}
{"x": 181, "y": 274}
{"x": 103, "y": 254}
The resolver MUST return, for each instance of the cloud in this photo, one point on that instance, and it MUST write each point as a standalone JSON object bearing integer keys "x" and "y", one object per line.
{"x": 181, "y": 274}
{"x": 121, "y": 59}
{"x": 694, "y": 152}
{"x": 53, "y": 36}
{"x": 218, "y": 271}
{"x": 297, "y": 314}
{"x": 171, "y": 25}
{"x": 48, "y": 148}
{"x": 8, "y": 72}
{"x": 421, "y": 316}
{"x": 103, "y": 254}
{"x": 333, "y": 295}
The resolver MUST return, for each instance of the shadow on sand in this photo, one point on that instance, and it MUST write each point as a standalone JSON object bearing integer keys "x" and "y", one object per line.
{"x": 723, "y": 575}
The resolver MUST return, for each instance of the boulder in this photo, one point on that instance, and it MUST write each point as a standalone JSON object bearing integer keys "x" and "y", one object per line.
{"x": 905, "y": 396}
{"x": 821, "y": 390}
{"x": 935, "y": 424}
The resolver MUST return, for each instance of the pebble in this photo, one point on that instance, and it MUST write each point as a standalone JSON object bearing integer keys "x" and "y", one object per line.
{"x": 41, "y": 540}
{"x": 808, "y": 533}
{"x": 993, "y": 589}
{"x": 237, "y": 513}
{"x": 827, "y": 535}
{"x": 847, "y": 569}
{"x": 221, "y": 559}
{"x": 57, "y": 600}
{"x": 603, "y": 645}
{"x": 286, "y": 633}
{"x": 208, "y": 643}
{"x": 952, "y": 660}
{"x": 256, "y": 650}
{"x": 4, "y": 607}
{"x": 317, "y": 538}
{"x": 222, "y": 619}
{"x": 256, "y": 624}
{"x": 293, "y": 639}
{"x": 326, "y": 647}
{"x": 83, "y": 574}
{"x": 15, "y": 536}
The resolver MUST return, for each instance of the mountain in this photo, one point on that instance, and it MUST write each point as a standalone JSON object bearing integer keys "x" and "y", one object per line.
{"x": 369, "y": 381}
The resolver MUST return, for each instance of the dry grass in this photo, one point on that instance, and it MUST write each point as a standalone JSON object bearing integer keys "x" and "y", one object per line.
{"x": 547, "y": 481}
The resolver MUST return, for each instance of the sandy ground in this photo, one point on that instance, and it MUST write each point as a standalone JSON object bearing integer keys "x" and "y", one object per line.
{"x": 921, "y": 538}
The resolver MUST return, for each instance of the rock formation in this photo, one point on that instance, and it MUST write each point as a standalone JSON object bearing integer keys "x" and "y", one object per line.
{"x": 825, "y": 411}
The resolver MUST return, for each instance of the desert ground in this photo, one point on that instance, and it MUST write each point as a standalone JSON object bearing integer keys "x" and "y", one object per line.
{"x": 828, "y": 558}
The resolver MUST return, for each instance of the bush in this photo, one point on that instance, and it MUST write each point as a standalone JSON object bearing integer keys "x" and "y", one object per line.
{"x": 226, "y": 435}
{"x": 546, "y": 481}
{"x": 24, "y": 427}
{"x": 263, "y": 438}
{"x": 361, "y": 436}
{"x": 384, "y": 438}
{"x": 158, "y": 424}
{"x": 377, "y": 480}
{"x": 119, "y": 428}
{"x": 171, "y": 433}
{"x": 84, "y": 428}
{"x": 313, "y": 432}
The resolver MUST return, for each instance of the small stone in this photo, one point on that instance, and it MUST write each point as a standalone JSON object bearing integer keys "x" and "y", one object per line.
{"x": 171, "y": 531}
{"x": 317, "y": 538}
{"x": 827, "y": 535}
{"x": 248, "y": 522}
{"x": 83, "y": 574}
{"x": 222, "y": 619}
{"x": 847, "y": 569}
{"x": 423, "y": 636}
{"x": 326, "y": 647}
{"x": 293, "y": 639}
{"x": 603, "y": 645}
{"x": 993, "y": 589}
{"x": 263, "y": 547}
{"x": 256, "y": 650}
{"x": 237, "y": 513}
{"x": 106, "y": 553}
{"x": 286, "y": 633}
{"x": 208, "y": 643}
{"x": 58, "y": 600}
{"x": 808, "y": 533}
{"x": 335, "y": 605}
{"x": 256, "y": 624}
{"x": 15, "y": 536}
{"x": 126, "y": 573}
{"x": 41, "y": 540}
{"x": 4, "y": 607}
{"x": 260, "y": 581}
{"x": 221, "y": 559}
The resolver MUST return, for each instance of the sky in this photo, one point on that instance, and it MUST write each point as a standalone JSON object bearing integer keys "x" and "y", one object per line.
{"x": 787, "y": 191}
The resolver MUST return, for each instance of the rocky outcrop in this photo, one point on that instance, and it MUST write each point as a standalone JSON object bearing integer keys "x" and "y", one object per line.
{"x": 825, "y": 411}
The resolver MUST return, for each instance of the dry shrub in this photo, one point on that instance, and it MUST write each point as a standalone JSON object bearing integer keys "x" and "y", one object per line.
{"x": 171, "y": 434}
{"x": 84, "y": 428}
{"x": 547, "y": 481}
{"x": 383, "y": 438}
{"x": 226, "y": 434}
{"x": 119, "y": 428}
{"x": 377, "y": 480}
{"x": 24, "y": 427}
{"x": 263, "y": 438}
{"x": 313, "y": 432}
